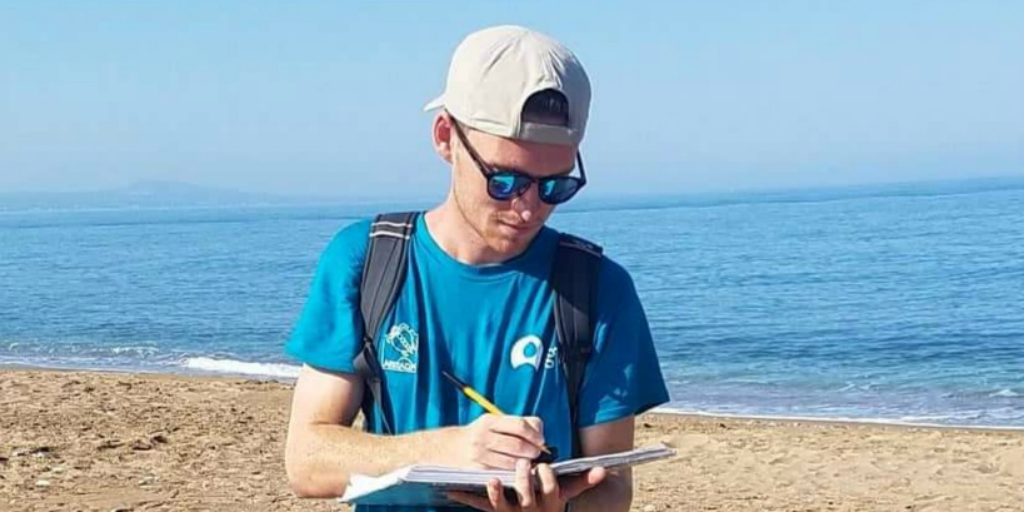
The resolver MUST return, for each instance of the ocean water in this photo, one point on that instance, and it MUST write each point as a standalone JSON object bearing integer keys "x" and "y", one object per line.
{"x": 901, "y": 307}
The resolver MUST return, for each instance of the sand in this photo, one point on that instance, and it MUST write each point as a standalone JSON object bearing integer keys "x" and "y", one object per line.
{"x": 105, "y": 441}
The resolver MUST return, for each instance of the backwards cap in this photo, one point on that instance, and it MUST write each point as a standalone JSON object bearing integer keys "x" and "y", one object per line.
{"x": 494, "y": 71}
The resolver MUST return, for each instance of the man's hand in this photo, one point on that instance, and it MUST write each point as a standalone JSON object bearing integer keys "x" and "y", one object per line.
{"x": 495, "y": 442}
{"x": 549, "y": 497}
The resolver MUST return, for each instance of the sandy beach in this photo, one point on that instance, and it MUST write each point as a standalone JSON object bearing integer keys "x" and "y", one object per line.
{"x": 107, "y": 441}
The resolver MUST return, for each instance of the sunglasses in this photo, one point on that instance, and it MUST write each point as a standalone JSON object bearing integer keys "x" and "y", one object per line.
{"x": 504, "y": 184}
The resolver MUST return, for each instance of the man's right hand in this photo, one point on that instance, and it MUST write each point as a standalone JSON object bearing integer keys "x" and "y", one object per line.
{"x": 495, "y": 442}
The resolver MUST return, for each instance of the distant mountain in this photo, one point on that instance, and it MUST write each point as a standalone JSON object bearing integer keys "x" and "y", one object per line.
{"x": 144, "y": 195}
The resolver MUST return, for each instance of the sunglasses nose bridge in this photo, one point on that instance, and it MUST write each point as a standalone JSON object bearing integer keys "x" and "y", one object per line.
{"x": 524, "y": 185}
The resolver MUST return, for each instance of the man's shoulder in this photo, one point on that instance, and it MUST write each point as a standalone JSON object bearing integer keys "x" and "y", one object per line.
{"x": 349, "y": 244}
{"x": 614, "y": 281}
{"x": 357, "y": 231}
{"x": 579, "y": 243}
{"x": 613, "y": 278}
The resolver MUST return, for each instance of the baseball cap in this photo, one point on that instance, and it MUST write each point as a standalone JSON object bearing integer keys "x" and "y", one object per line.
{"x": 495, "y": 70}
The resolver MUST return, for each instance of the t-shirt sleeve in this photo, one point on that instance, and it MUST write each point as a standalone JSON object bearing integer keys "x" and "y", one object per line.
{"x": 623, "y": 377}
{"x": 329, "y": 330}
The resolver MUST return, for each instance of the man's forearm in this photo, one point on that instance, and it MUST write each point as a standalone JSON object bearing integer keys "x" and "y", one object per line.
{"x": 321, "y": 458}
{"x": 614, "y": 494}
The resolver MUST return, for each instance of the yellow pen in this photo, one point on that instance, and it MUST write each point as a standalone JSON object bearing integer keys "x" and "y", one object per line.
{"x": 475, "y": 396}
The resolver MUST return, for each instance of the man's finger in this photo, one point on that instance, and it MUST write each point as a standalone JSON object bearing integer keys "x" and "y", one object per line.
{"x": 535, "y": 423}
{"x": 548, "y": 484}
{"x": 512, "y": 446}
{"x": 471, "y": 500}
{"x": 576, "y": 485}
{"x": 524, "y": 483}
{"x": 497, "y": 460}
{"x": 519, "y": 427}
{"x": 496, "y": 496}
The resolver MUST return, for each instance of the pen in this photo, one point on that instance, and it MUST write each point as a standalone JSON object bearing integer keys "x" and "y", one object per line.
{"x": 475, "y": 396}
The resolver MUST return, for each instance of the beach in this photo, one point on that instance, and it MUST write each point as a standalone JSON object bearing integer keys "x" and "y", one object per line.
{"x": 73, "y": 440}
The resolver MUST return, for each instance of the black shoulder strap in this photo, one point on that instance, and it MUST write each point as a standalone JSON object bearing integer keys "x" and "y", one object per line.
{"x": 383, "y": 277}
{"x": 574, "y": 278}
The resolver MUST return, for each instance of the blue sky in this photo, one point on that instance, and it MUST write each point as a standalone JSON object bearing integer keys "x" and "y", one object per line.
{"x": 326, "y": 98}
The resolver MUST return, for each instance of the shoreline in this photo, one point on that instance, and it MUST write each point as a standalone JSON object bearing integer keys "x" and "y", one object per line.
{"x": 853, "y": 422}
{"x": 661, "y": 411}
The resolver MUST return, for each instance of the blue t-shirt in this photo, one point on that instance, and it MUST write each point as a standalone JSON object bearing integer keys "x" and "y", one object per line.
{"x": 492, "y": 326}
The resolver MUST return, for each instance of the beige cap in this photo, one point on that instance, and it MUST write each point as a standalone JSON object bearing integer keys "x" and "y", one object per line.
{"x": 494, "y": 71}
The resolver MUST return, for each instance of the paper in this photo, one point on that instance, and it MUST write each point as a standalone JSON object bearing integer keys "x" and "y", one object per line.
{"x": 422, "y": 485}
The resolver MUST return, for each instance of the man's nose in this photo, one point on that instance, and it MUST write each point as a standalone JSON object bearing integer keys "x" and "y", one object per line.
{"x": 527, "y": 203}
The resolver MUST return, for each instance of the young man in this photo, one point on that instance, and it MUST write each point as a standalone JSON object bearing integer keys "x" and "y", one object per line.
{"x": 477, "y": 302}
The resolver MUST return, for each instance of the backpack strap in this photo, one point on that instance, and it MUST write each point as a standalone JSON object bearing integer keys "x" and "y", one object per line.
{"x": 574, "y": 279}
{"x": 383, "y": 276}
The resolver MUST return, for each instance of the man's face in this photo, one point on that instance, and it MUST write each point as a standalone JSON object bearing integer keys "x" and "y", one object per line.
{"x": 507, "y": 227}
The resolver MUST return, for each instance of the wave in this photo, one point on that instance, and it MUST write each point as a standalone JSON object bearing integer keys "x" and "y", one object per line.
{"x": 75, "y": 350}
{"x": 231, "y": 366}
{"x": 1004, "y": 393}
{"x": 906, "y": 421}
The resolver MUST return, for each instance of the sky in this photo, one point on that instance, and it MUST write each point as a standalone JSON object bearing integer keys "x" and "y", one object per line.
{"x": 325, "y": 98}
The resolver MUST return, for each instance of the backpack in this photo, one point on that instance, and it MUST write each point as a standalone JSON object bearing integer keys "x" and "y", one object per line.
{"x": 573, "y": 277}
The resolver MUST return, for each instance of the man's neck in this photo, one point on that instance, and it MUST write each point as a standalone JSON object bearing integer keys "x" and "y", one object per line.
{"x": 457, "y": 237}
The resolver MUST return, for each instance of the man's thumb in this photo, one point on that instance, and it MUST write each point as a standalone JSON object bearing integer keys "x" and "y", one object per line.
{"x": 581, "y": 483}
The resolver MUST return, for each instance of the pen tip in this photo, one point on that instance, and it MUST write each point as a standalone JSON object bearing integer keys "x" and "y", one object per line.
{"x": 451, "y": 378}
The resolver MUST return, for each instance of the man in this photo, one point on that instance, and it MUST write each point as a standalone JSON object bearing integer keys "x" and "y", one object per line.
{"x": 477, "y": 303}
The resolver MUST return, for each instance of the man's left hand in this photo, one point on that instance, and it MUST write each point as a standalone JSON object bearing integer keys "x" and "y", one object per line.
{"x": 550, "y": 497}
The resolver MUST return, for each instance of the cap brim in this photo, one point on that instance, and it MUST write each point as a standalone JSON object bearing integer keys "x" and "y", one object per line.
{"x": 436, "y": 104}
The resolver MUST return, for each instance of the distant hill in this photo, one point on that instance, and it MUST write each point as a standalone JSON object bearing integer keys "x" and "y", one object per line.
{"x": 144, "y": 195}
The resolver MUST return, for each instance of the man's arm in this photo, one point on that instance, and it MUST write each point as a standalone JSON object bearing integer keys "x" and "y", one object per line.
{"x": 615, "y": 493}
{"x": 323, "y": 450}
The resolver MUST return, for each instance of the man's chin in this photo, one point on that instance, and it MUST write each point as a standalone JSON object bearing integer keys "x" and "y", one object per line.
{"x": 511, "y": 241}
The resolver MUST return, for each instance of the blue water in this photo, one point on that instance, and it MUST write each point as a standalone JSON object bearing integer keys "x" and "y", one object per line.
{"x": 905, "y": 307}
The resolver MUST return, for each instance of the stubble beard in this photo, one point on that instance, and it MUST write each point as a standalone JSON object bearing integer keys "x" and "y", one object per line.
{"x": 492, "y": 238}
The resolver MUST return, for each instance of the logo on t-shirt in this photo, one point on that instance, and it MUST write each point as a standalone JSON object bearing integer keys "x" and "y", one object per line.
{"x": 526, "y": 350}
{"x": 552, "y": 359}
{"x": 401, "y": 349}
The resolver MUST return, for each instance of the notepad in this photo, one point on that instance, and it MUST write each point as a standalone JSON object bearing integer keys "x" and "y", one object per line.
{"x": 424, "y": 485}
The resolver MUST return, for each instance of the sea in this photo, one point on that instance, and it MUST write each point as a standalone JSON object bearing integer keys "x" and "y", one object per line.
{"x": 895, "y": 304}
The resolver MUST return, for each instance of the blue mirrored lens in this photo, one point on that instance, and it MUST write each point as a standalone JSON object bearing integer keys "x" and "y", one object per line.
{"x": 548, "y": 188}
{"x": 502, "y": 185}
{"x": 558, "y": 190}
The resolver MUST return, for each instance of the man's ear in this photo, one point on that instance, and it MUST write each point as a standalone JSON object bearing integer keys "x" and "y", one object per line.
{"x": 443, "y": 133}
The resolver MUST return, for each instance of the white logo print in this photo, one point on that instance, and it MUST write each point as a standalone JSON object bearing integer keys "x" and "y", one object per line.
{"x": 552, "y": 359}
{"x": 521, "y": 347}
{"x": 404, "y": 343}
